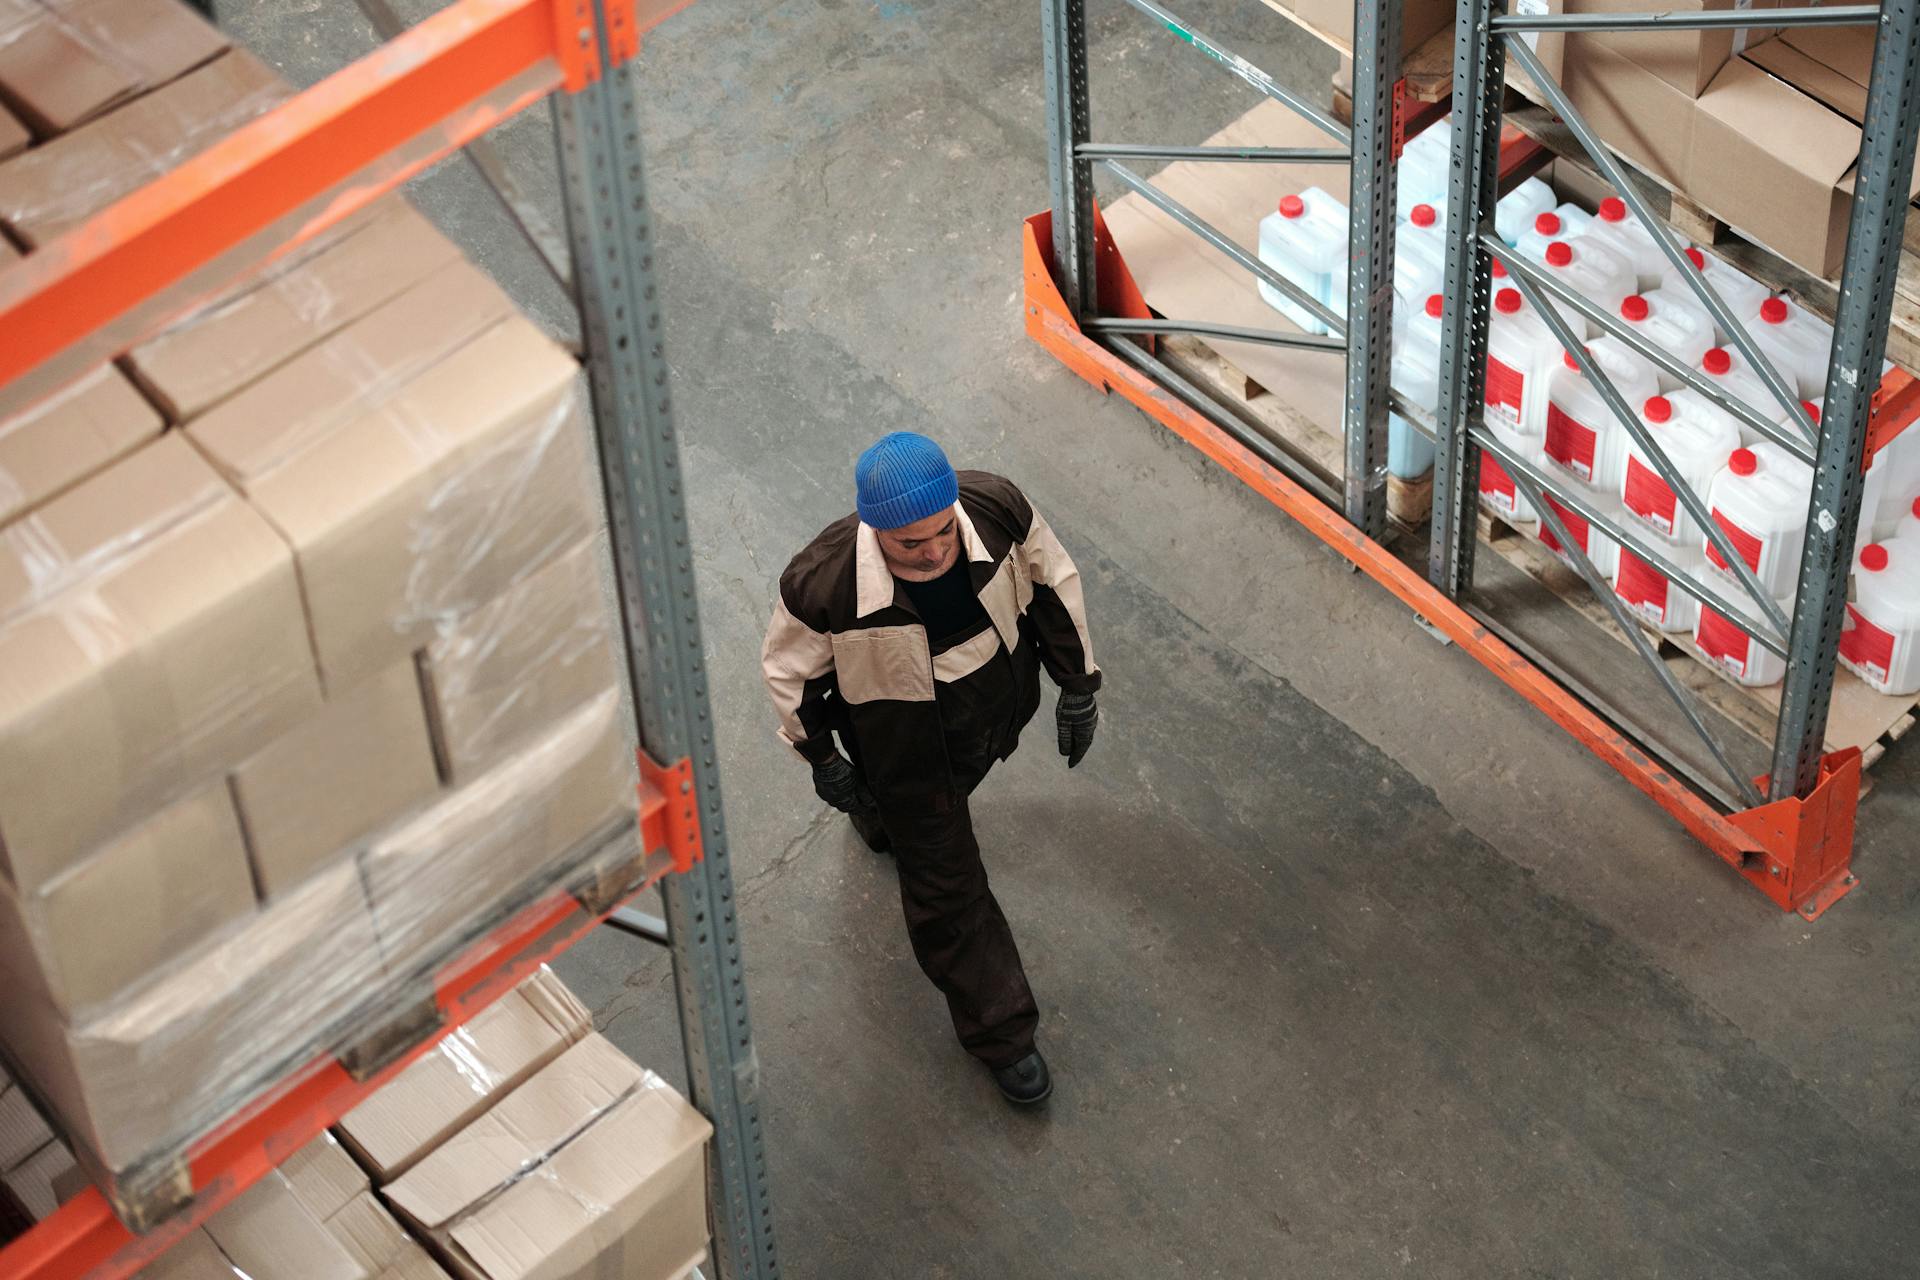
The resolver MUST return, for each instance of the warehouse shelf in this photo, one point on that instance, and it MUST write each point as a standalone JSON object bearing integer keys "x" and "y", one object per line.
{"x": 1789, "y": 831}
{"x": 281, "y": 181}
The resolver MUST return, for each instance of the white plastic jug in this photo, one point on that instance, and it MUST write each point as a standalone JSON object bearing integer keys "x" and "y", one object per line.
{"x": 1415, "y": 375}
{"x": 1903, "y": 477}
{"x": 1740, "y": 291}
{"x": 1514, "y": 212}
{"x": 1419, "y": 255}
{"x": 1760, "y": 498}
{"x": 1591, "y": 270}
{"x": 1521, "y": 356}
{"x": 1671, "y": 323}
{"x": 1907, "y": 527}
{"x": 1583, "y": 438}
{"x": 1799, "y": 342}
{"x": 1729, "y": 371}
{"x": 1562, "y": 222}
{"x": 1616, "y": 227}
{"x": 1880, "y": 642}
{"x": 1305, "y": 240}
{"x": 1498, "y": 493}
{"x": 1603, "y": 552}
{"x": 1735, "y": 652}
{"x": 1697, "y": 437}
{"x": 1425, "y": 165}
{"x": 1649, "y": 593}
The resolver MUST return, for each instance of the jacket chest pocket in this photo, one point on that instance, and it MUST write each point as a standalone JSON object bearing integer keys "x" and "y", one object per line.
{"x": 883, "y": 664}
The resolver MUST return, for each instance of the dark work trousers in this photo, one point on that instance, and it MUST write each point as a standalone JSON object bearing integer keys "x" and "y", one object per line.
{"x": 959, "y": 935}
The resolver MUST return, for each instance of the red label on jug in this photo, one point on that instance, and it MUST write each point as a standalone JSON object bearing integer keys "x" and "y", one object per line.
{"x": 1643, "y": 587}
{"x": 1649, "y": 497}
{"x": 1577, "y": 527}
{"x": 1497, "y": 487}
{"x": 1505, "y": 387}
{"x": 1866, "y": 647}
{"x": 1569, "y": 442}
{"x": 1723, "y": 642}
{"x": 1745, "y": 543}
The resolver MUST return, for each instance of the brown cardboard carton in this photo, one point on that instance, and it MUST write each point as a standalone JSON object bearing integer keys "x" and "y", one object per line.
{"x": 63, "y": 61}
{"x": 1419, "y": 19}
{"x": 506, "y": 671}
{"x": 161, "y": 1066}
{"x": 56, "y": 186}
{"x": 324, "y": 1176}
{"x": 419, "y": 464}
{"x": 313, "y": 794}
{"x": 412, "y": 1263}
{"x": 13, "y": 138}
{"x": 22, "y": 1129}
{"x": 1685, "y": 60}
{"x": 234, "y": 340}
{"x": 193, "y": 1257}
{"x": 459, "y": 1078}
{"x": 445, "y": 874}
{"x": 151, "y": 635}
{"x": 70, "y": 436}
{"x": 128, "y": 908}
{"x": 268, "y": 1234}
{"x": 1777, "y": 164}
{"x": 619, "y": 1185}
{"x": 368, "y": 1232}
{"x": 30, "y": 1182}
{"x": 1831, "y": 64}
{"x": 1636, "y": 112}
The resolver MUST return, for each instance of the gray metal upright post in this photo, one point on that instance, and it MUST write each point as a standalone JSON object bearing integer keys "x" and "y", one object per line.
{"x": 1376, "y": 74}
{"x": 1479, "y": 78}
{"x": 1064, "y": 56}
{"x": 609, "y": 223}
{"x": 1859, "y": 345}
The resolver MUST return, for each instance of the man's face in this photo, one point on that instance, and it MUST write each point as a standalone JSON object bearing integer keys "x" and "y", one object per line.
{"x": 923, "y": 550}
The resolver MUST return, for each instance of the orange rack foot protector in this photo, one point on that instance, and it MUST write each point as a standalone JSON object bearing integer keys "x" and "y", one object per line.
{"x": 1796, "y": 851}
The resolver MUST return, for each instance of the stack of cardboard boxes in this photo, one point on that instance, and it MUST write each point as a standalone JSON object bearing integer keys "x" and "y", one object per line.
{"x": 305, "y": 671}
{"x": 37, "y": 1172}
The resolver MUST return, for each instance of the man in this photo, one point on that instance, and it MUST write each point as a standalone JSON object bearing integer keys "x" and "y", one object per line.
{"x": 915, "y": 629}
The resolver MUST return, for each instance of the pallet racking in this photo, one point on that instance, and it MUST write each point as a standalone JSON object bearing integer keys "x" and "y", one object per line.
{"x": 279, "y": 182}
{"x": 1788, "y": 832}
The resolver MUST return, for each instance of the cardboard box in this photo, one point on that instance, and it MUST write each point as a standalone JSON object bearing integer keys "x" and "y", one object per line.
{"x": 620, "y": 1185}
{"x": 1777, "y": 163}
{"x": 70, "y": 436}
{"x": 412, "y": 1263}
{"x": 314, "y": 794}
{"x": 324, "y": 1177}
{"x": 64, "y": 61}
{"x": 369, "y": 1233}
{"x": 13, "y": 135}
{"x": 56, "y": 186}
{"x": 1419, "y": 19}
{"x": 268, "y": 1234}
{"x": 131, "y": 907}
{"x": 234, "y": 340}
{"x": 30, "y": 1183}
{"x": 151, "y": 635}
{"x": 1686, "y": 61}
{"x": 505, "y": 672}
{"x": 23, "y": 1130}
{"x": 1637, "y": 113}
{"x": 193, "y": 1257}
{"x": 154, "y": 1071}
{"x": 418, "y": 463}
{"x": 1831, "y": 64}
{"x": 456, "y": 867}
{"x": 459, "y": 1078}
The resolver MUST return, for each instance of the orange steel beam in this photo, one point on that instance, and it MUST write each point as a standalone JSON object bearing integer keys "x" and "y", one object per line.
{"x": 85, "y": 1241}
{"x": 435, "y": 87}
{"x": 1796, "y": 851}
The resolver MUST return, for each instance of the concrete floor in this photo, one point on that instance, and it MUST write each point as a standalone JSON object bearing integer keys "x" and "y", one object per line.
{"x": 1331, "y": 990}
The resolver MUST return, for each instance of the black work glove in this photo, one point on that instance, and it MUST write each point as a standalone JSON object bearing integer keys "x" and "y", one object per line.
{"x": 835, "y": 782}
{"x": 1076, "y": 718}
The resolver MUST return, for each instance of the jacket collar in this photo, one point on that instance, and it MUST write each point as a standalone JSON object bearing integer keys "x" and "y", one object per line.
{"x": 873, "y": 581}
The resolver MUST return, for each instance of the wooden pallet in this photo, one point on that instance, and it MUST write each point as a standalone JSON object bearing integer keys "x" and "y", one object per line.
{"x": 1859, "y": 717}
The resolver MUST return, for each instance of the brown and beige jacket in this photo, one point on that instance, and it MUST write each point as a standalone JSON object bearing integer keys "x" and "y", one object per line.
{"x": 846, "y": 651}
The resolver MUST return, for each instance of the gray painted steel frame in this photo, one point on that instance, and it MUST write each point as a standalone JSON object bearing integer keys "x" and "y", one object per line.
{"x": 1069, "y": 176}
{"x": 609, "y": 223}
{"x": 1371, "y": 218}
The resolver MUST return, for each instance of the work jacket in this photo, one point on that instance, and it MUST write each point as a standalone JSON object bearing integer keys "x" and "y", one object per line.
{"x": 846, "y": 650}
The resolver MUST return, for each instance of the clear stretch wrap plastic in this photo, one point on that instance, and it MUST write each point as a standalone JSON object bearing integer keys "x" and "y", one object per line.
{"x": 64, "y": 61}
{"x": 296, "y": 702}
{"x": 57, "y": 185}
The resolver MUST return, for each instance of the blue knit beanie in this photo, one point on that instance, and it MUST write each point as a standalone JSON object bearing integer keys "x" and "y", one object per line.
{"x": 902, "y": 478}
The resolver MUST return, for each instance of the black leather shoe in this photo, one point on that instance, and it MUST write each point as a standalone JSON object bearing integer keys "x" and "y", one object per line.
{"x": 867, "y": 823}
{"x": 1027, "y": 1082}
